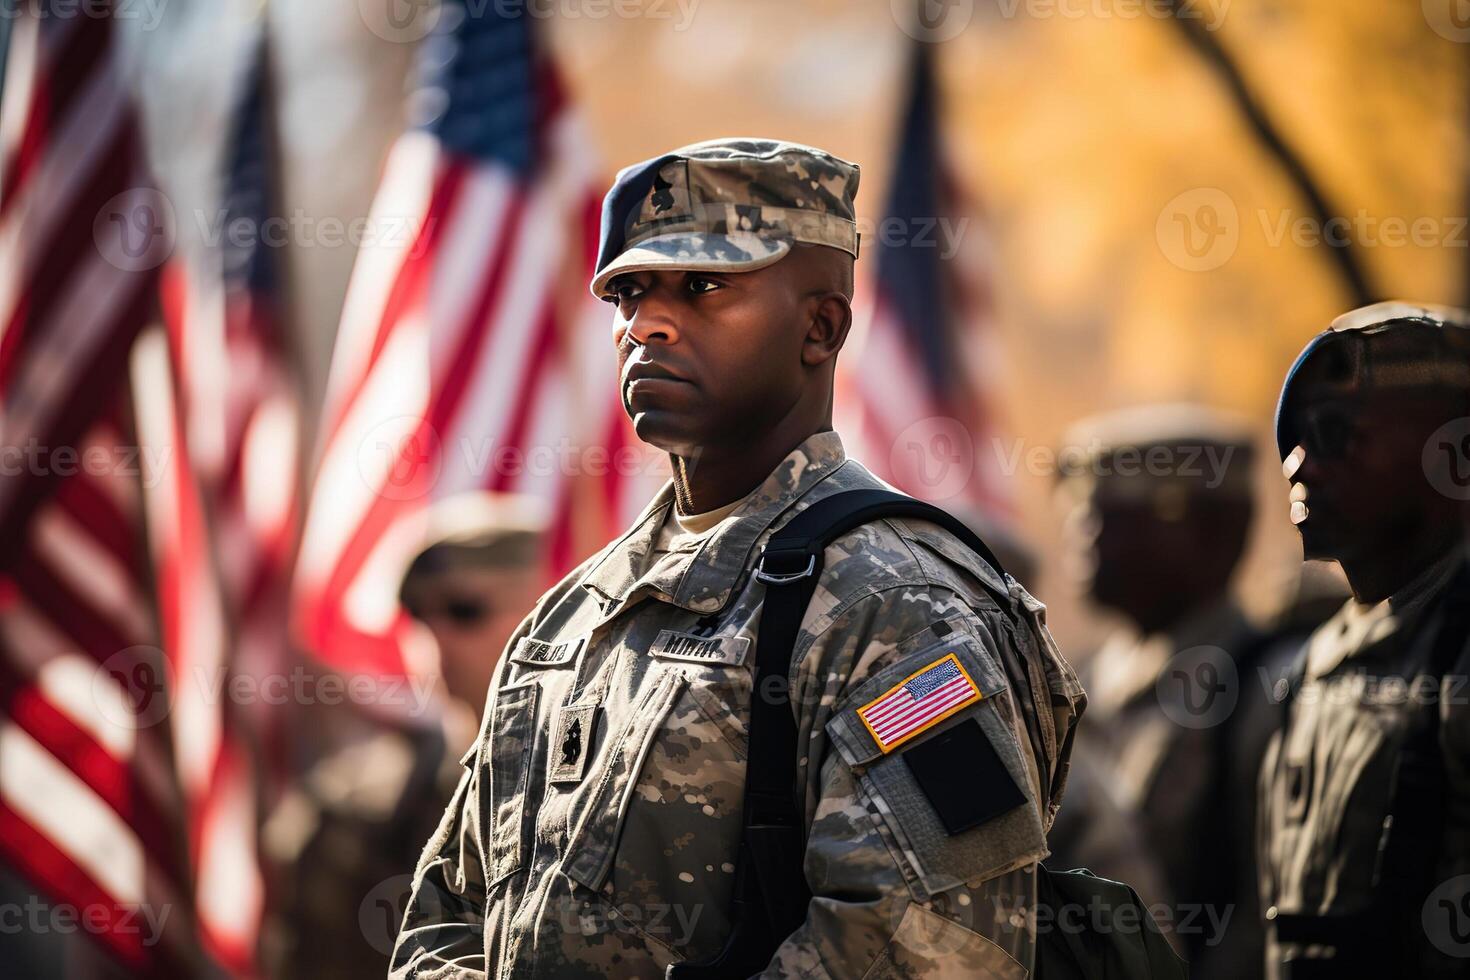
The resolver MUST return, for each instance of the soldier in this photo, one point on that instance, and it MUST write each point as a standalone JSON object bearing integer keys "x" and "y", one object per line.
{"x": 1365, "y": 794}
{"x": 595, "y": 832}
{"x": 1161, "y": 512}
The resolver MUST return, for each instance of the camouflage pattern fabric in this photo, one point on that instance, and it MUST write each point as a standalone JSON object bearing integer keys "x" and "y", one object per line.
{"x": 595, "y": 830}
{"x": 732, "y": 204}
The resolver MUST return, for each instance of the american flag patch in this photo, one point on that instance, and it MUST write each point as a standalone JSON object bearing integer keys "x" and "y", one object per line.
{"x": 919, "y": 702}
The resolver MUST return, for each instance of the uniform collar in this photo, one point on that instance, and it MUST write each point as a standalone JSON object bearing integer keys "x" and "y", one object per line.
{"x": 701, "y": 579}
{"x": 1358, "y": 627}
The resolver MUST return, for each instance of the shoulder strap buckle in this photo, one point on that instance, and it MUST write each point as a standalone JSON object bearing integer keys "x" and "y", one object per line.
{"x": 777, "y": 578}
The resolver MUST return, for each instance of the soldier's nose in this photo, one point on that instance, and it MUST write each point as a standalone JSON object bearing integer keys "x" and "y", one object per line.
{"x": 650, "y": 326}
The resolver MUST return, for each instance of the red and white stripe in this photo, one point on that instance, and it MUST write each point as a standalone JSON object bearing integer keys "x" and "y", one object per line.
{"x": 241, "y": 418}
{"x": 224, "y": 517}
{"x": 89, "y": 808}
{"x": 899, "y": 719}
{"x": 900, "y": 714}
{"x": 468, "y": 333}
{"x": 211, "y": 755}
{"x": 885, "y": 400}
{"x": 89, "y": 804}
{"x": 69, "y": 146}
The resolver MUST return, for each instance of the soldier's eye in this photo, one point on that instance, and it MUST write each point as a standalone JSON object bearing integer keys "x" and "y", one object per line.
{"x": 698, "y": 284}
{"x": 1328, "y": 433}
{"x": 624, "y": 290}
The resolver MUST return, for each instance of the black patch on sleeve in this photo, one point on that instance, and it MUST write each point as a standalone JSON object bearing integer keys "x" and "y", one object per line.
{"x": 963, "y": 777}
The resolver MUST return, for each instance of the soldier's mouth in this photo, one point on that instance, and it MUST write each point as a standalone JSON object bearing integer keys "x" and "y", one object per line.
{"x": 645, "y": 390}
{"x": 643, "y": 370}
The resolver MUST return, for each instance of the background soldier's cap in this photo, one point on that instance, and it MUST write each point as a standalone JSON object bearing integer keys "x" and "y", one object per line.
{"x": 478, "y": 530}
{"x": 728, "y": 204}
{"x": 1392, "y": 345}
{"x": 1159, "y": 453}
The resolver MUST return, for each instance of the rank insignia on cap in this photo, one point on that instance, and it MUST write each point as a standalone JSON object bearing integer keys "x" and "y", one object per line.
{"x": 919, "y": 702}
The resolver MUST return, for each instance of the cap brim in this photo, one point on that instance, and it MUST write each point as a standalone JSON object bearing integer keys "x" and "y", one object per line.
{"x": 694, "y": 252}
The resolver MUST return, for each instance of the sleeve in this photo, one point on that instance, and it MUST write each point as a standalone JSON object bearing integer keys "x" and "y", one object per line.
{"x": 925, "y": 831}
{"x": 443, "y": 930}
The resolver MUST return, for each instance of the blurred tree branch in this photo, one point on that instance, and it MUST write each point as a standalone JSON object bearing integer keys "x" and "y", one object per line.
{"x": 1341, "y": 249}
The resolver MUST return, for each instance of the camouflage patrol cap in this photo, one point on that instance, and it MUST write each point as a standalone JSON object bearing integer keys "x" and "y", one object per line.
{"x": 731, "y": 204}
{"x": 1392, "y": 345}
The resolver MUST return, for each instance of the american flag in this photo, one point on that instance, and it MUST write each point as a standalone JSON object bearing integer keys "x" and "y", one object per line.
{"x": 244, "y": 392}
{"x": 922, "y": 700}
{"x": 216, "y": 387}
{"x": 467, "y": 356}
{"x": 918, "y": 376}
{"x": 213, "y": 772}
{"x": 88, "y": 803}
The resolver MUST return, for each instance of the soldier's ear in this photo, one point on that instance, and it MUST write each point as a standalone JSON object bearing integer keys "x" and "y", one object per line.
{"x": 828, "y": 322}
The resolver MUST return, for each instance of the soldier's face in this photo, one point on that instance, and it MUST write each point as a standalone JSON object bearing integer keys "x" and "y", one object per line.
{"x": 1122, "y": 555}
{"x": 707, "y": 359}
{"x": 1358, "y": 483}
{"x": 472, "y": 613}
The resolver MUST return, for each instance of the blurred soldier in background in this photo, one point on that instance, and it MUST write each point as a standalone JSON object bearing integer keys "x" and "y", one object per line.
{"x": 344, "y": 836}
{"x": 1365, "y": 822}
{"x": 1161, "y": 513}
{"x": 479, "y": 576}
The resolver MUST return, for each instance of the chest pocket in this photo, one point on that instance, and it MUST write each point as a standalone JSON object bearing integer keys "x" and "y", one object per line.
{"x": 932, "y": 745}
{"x": 505, "y": 758}
{"x": 1330, "y": 796}
{"x": 539, "y": 673}
{"x": 660, "y": 829}
{"x": 594, "y": 841}
{"x": 720, "y": 671}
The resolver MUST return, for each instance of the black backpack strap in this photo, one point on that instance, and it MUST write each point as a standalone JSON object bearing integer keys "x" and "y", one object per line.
{"x": 771, "y": 893}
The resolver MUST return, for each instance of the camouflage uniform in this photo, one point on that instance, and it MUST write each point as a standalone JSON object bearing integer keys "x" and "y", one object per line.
{"x": 595, "y": 830}
{"x": 339, "y": 843}
{"x": 1167, "y": 770}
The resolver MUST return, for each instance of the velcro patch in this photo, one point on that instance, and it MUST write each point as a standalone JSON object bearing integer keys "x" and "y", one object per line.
{"x": 986, "y": 790}
{"x": 540, "y": 653}
{"x": 726, "y": 650}
{"x": 919, "y": 702}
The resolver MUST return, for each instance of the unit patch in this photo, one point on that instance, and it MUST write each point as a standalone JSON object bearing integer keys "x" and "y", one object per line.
{"x": 571, "y": 742}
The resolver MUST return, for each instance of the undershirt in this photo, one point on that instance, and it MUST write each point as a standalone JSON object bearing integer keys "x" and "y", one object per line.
{"x": 680, "y": 531}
